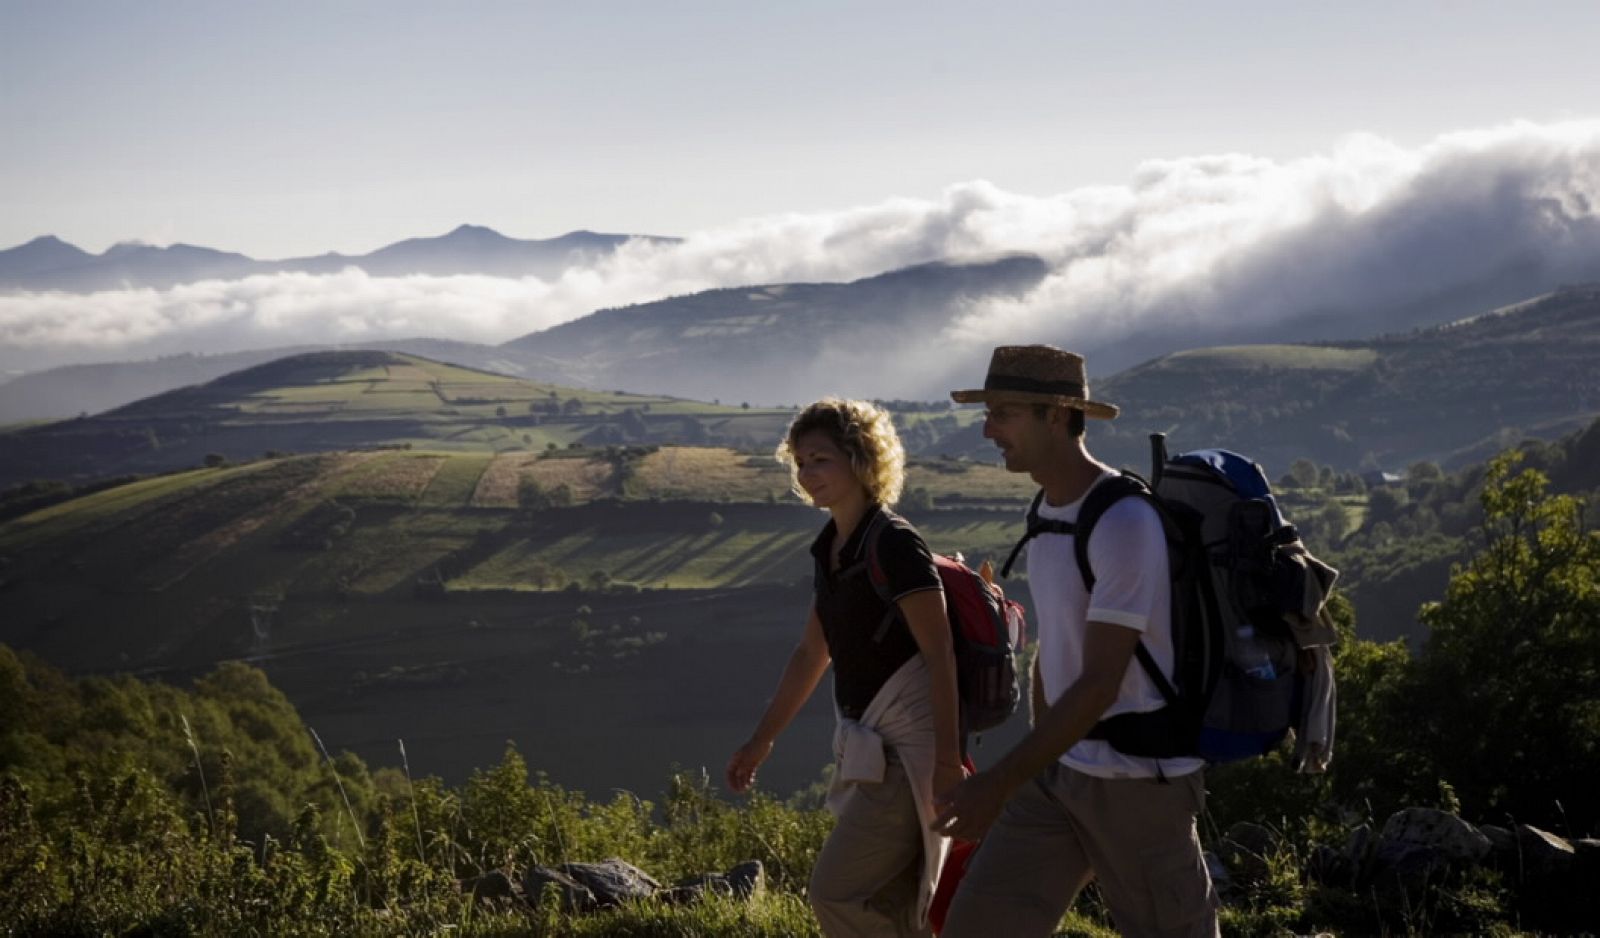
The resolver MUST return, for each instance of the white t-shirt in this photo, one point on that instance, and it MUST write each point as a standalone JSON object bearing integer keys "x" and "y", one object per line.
{"x": 1128, "y": 554}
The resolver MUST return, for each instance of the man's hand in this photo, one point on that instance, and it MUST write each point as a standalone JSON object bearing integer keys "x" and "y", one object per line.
{"x": 966, "y": 811}
{"x": 946, "y": 776}
{"x": 741, "y": 772}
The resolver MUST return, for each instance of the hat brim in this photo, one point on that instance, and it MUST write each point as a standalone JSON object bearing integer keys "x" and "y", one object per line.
{"x": 1097, "y": 409}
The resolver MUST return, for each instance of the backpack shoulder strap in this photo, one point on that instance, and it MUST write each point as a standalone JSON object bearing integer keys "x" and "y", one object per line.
{"x": 869, "y": 538}
{"x": 1095, "y": 505}
{"x": 1035, "y": 526}
{"x": 875, "y": 573}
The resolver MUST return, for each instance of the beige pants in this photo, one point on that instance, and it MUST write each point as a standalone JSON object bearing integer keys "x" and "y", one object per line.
{"x": 1137, "y": 837}
{"x": 865, "y": 880}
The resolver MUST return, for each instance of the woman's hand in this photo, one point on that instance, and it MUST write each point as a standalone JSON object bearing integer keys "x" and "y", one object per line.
{"x": 741, "y": 772}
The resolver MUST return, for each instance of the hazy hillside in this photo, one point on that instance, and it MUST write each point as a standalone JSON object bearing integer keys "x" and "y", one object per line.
{"x": 69, "y": 390}
{"x": 769, "y": 342}
{"x": 741, "y": 344}
{"x": 48, "y": 263}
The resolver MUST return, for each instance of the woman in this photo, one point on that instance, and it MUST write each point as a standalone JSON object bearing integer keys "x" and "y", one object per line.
{"x": 886, "y": 635}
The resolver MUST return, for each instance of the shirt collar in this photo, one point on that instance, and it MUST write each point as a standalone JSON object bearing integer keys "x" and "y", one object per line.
{"x": 852, "y": 547}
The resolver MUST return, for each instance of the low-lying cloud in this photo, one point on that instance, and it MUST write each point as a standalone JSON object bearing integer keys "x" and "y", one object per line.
{"x": 1202, "y": 245}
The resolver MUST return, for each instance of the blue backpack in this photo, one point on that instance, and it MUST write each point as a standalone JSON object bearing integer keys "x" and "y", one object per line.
{"x": 1239, "y": 682}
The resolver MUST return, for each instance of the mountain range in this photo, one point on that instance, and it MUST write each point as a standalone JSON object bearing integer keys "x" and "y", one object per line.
{"x": 48, "y": 263}
{"x": 1450, "y": 394}
{"x": 768, "y": 343}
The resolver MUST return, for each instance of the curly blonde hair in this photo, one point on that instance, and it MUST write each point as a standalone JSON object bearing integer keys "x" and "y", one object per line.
{"x": 864, "y": 432}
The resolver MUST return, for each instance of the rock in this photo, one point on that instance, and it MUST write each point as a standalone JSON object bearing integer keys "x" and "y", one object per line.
{"x": 1449, "y": 837}
{"x": 612, "y": 881}
{"x": 1502, "y": 840}
{"x": 573, "y": 895}
{"x": 1245, "y": 849}
{"x": 748, "y": 879}
{"x": 742, "y": 882}
{"x": 1586, "y": 865}
{"x": 1359, "y": 849}
{"x": 1221, "y": 879}
{"x": 1329, "y": 866}
{"x": 493, "y": 885}
{"x": 1542, "y": 853}
{"x": 694, "y": 889}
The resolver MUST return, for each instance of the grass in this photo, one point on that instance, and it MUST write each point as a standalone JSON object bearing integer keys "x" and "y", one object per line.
{"x": 969, "y": 481}
{"x": 456, "y": 480}
{"x": 710, "y": 472}
{"x": 397, "y": 476}
{"x": 59, "y": 519}
{"x": 586, "y": 477}
{"x": 710, "y": 558}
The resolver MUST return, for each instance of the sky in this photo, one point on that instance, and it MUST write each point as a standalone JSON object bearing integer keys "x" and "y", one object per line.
{"x": 1184, "y": 169}
{"x": 292, "y": 128}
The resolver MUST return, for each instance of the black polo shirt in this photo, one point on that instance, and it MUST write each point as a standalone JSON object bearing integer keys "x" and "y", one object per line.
{"x": 868, "y": 644}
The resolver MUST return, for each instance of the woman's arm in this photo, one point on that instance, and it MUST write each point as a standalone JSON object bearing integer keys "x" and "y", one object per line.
{"x": 924, "y": 612}
{"x": 800, "y": 676}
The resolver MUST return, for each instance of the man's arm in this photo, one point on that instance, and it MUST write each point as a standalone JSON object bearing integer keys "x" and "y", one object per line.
{"x": 968, "y": 811}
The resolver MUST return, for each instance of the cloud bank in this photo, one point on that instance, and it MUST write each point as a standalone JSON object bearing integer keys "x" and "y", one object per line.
{"x": 1202, "y": 245}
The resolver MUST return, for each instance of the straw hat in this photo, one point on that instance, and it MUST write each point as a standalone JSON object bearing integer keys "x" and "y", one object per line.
{"x": 1036, "y": 374}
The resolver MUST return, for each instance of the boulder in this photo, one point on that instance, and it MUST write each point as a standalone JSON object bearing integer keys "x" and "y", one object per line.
{"x": 1329, "y": 866}
{"x": 1586, "y": 865}
{"x": 612, "y": 881}
{"x": 572, "y": 895}
{"x": 742, "y": 882}
{"x": 1221, "y": 879}
{"x": 1445, "y": 835}
{"x": 748, "y": 879}
{"x": 493, "y": 885}
{"x": 1501, "y": 839}
{"x": 1542, "y": 853}
{"x": 1359, "y": 850}
{"x": 1245, "y": 849}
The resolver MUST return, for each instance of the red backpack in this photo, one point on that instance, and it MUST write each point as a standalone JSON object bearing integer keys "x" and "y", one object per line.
{"x": 987, "y": 629}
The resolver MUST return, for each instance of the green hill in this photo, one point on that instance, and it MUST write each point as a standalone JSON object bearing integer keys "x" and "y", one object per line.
{"x": 460, "y": 598}
{"x": 1453, "y": 394}
{"x": 341, "y": 400}
{"x": 1450, "y": 394}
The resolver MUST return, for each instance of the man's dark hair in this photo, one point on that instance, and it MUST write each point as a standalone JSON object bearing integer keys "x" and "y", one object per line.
{"x": 1075, "y": 420}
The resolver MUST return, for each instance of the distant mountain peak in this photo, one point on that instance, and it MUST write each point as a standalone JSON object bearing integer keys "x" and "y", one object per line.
{"x": 473, "y": 231}
{"x": 131, "y": 246}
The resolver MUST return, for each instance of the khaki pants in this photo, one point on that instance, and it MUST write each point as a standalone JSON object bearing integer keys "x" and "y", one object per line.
{"x": 1137, "y": 837}
{"x": 866, "y": 877}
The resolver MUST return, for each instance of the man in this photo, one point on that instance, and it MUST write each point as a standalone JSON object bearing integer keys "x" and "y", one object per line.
{"x": 1061, "y": 809}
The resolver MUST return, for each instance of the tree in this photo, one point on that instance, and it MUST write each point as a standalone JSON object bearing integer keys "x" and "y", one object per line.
{"x": 1333, "y": 521}
{"x": 1384, "y": 504}
{"x": 1302, "y": 474}
{"x": 1511, "y": 668}
{"x": 531, "y": 496}
{"x": 917, "y": 499}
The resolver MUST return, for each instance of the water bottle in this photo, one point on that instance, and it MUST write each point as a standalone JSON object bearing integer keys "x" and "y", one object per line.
{"x": 1252, "y": 655}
